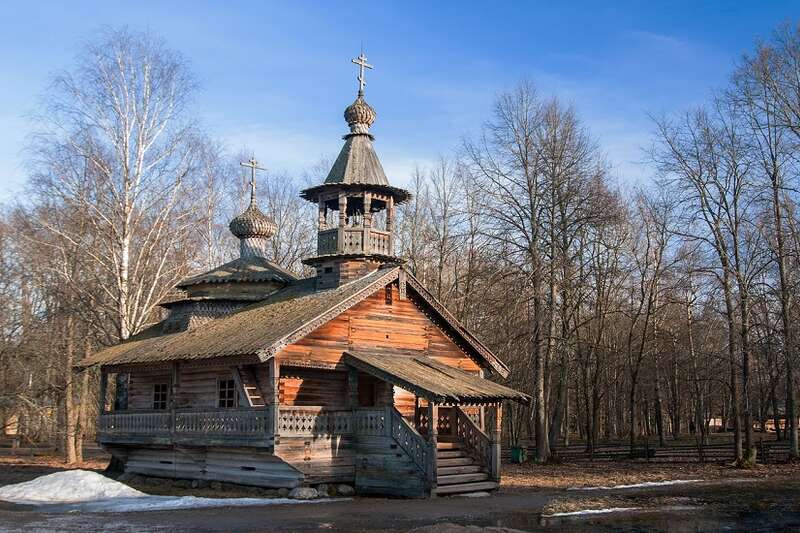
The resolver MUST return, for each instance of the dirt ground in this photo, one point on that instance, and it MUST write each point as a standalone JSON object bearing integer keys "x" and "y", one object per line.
{"x": 585, "y": 474}
{"x": 766, "y": 498}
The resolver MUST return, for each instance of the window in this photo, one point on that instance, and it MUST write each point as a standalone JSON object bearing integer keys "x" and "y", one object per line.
{"x": 227, "y": 393}
{"x": 160, "y": 393}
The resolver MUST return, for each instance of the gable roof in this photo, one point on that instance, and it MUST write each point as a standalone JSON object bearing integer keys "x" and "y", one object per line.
{"x": 430, "y": 379}
{"x": 260, "y": 329}
{"x": 285, "y": 316}
{"x": 243, "y": 269}
{"x": 470, "y": 341}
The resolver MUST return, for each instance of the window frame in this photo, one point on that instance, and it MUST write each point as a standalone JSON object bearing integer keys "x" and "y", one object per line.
{"x": 231, "y": 399}
{"x": 160, "y": 396}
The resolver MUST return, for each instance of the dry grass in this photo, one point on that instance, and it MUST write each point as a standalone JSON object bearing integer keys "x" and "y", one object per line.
{"x": 585, "y": 474}
{"x": 570, "y": 505}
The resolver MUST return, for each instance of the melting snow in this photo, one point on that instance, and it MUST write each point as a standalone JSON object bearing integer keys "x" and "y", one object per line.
{"x": 69, "y": 486}
{"x": 646, "y": 484}
{"x": 594, "y": 511}
{"x": 82, "y": 490}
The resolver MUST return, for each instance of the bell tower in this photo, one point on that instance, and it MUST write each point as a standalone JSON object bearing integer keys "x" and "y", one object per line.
{"x": 356, "y": 219}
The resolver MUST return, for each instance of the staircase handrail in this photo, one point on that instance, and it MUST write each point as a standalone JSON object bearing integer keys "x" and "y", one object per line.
{"x": 476, "y": 443}
{"x": 414, "y": 444}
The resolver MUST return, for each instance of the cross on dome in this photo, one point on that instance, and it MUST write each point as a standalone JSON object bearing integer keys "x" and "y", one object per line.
{"x": 361, "y": 61}
{"x": 252, "y": 164}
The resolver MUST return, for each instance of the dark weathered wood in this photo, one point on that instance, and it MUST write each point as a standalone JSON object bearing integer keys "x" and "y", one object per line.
{"x": 352, "y": 388}
{"x": 433, "y": 415}
{"x": 496, "y": 417}
{"x": 101, "y": 397}
{"x": 274, "y": 371}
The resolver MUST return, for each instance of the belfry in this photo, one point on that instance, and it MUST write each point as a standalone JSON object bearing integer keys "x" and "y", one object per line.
{"x": 356, "y": 203}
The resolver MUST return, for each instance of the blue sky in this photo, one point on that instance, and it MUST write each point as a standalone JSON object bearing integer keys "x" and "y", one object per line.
{"x": 275, "y": 77}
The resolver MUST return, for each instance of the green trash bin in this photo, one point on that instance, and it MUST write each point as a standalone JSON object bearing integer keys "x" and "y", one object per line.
{"x": 518, "y": 454}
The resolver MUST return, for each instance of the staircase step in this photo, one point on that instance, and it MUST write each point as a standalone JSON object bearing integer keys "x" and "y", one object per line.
{"x": 448, "y": 445}
{"x": 461, "y": 461}
{"x": 449, "y": 454}
{"x": 451, "y": 470}
{"x": 461, "y": 478}
{"x": 466, "y": 487}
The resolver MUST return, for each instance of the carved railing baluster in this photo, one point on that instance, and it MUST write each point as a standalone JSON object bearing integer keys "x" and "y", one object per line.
{"x": 476, "y": 442}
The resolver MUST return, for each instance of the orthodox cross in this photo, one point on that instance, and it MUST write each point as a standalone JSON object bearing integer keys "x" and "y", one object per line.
{"x": 253, "y": 166}
{"x": 361, "y": 61}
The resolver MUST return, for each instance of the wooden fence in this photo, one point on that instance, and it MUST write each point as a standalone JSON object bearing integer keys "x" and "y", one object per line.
{"x": 768, "y": 451}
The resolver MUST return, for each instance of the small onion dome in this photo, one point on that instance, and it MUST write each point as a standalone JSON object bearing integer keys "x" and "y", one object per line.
{"x": 253, "y": 224}
{"x": 359, "y": 115}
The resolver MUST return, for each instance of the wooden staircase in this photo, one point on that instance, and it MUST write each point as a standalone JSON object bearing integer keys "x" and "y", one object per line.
{"x": 252, "y": 392}
{"x": 457, "y": 472}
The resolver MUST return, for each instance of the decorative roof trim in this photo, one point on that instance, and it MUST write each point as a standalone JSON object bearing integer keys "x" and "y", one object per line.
{"x": 493, "y": 361}
{"x": 400, "y": 195}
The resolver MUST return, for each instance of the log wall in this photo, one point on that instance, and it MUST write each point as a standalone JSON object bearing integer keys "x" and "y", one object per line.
{"x": 245, "y": 466}
{"x": 197, "y": 385}
{"x": 382, "y": 323}
{"x": 140, "y": 387}
{"x": 306, "y": 387}
{"x": 322, "y": 459}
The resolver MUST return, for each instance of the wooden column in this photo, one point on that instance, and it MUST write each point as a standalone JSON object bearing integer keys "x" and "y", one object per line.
{"x": 275, "y": 399}
{"x": 321, "y": 218}
{"x": 173, "y": 385}
{"x": 390, "y": 223}
{"x": 342, "y": 209}
{"x": 366, "y": 243}
{"x": 433, "y": 433}
{"x": 352, "y": 388}
{"x": 482, "y": 409}
{"x": 367, "y": 209}
{"x": 173, "y": 394}
{"x": 103, "y": 391}
{"x": 494, "y": 441}
{"x": 416, "y": 413}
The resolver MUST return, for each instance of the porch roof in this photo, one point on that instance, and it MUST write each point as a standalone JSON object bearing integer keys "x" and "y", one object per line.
{"x": 430, "y": 379}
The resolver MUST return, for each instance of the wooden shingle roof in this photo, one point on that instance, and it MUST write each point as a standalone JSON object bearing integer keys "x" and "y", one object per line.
{"x": 243, "y": 269}
{"x": 260, "y": 329}
{"x": 430, "y": 379}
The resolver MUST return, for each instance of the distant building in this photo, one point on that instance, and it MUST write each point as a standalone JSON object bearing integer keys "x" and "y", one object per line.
{"x": 355, "y": 375}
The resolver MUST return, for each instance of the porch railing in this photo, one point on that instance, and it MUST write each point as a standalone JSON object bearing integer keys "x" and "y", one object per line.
{"x": 184, "y": 425}
{"x": 384, "y": 421}
{"x": 354, "y": 239}
{"x": 310, "y": 421}
{"x": 223, "y": 422}
{"x": 146, "y": 422}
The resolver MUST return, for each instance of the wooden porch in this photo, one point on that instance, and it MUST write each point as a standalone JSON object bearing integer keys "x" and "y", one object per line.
{"x": 456, "y": 437}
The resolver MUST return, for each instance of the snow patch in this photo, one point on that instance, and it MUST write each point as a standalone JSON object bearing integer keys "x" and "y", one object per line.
{"x": 68, "y": 486}
{"x": 646, "y": 484}
{"x": 170, "y": 503}
{"x": 593, "y": 511}
{"x": 85, "y": 491}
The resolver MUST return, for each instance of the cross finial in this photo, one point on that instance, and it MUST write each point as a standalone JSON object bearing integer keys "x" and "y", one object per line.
{"x": 252, "y": 164}
{"x": 361, "y": 61}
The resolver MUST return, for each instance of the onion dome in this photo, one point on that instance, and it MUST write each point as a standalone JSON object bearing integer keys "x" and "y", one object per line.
{"x": 253, "y": 223}
{"x": 359, "y": 115}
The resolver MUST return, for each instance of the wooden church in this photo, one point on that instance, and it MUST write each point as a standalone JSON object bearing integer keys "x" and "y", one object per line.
{"x": 355, "y": 375}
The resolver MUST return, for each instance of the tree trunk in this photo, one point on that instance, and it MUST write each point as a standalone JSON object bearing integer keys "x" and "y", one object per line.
{"x": 70, "y": 413}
